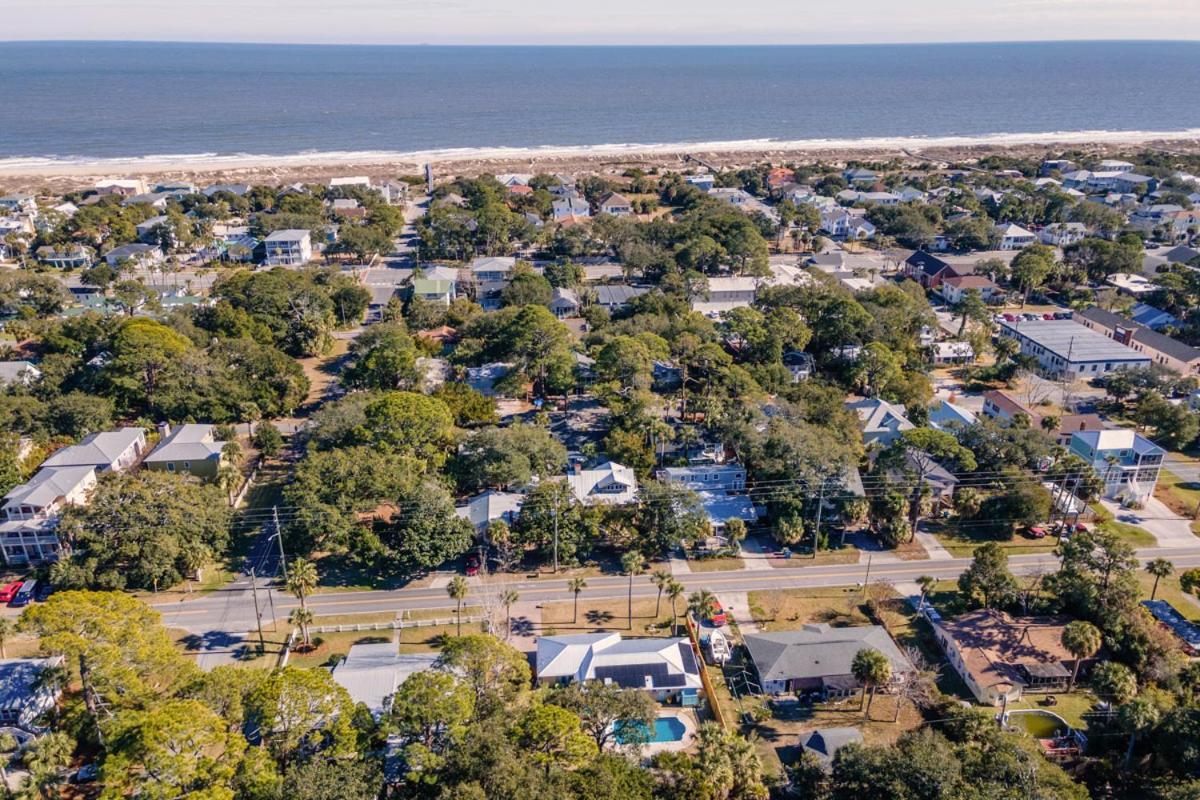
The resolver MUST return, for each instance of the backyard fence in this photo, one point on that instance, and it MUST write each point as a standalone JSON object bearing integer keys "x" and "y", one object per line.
{"x": 709, "y": 690}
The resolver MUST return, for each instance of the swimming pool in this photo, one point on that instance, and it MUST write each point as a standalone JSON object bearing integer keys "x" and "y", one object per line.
{"x": 666, "y": 729}
{"x": 1038, "y": 723}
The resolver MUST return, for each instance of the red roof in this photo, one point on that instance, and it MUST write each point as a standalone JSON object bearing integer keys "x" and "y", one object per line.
{"x": 969, "y": 282}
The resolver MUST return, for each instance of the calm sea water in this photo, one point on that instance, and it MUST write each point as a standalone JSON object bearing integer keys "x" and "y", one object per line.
{"x": 107, "y": 100}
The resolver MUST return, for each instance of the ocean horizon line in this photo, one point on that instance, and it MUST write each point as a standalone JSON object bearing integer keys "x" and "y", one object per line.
{"x": 604, "y": 45}
{"x": 209, "y": 161}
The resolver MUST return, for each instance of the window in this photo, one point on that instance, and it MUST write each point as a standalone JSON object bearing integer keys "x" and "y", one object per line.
{"x": 170, "y": 466}
{"x": 187, "y": 465}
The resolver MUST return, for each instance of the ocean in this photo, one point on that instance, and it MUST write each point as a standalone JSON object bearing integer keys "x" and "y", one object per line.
{"x": 85, "y": 101}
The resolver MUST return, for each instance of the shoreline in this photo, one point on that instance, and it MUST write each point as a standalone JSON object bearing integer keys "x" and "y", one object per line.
{"x": 26, "y": 173}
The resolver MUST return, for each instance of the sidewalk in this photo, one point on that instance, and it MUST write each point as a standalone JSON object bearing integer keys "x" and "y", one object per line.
{"x": 933, "y": 546}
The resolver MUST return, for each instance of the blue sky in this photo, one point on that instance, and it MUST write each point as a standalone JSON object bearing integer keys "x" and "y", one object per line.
{"x": 606, "y": 22}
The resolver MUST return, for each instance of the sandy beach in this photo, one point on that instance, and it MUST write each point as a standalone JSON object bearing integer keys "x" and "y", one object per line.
{"x": 56, "y": 176}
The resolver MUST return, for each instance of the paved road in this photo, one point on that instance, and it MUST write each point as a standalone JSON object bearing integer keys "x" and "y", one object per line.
{"x": 231, "y": 610}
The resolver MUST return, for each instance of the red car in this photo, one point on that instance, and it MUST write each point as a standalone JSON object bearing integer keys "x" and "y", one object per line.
{"x": 716, "y": 614}
{"x": 472, "y": 564}
{"x": 7, "y": 593}
{"x": 1035, "y": 532}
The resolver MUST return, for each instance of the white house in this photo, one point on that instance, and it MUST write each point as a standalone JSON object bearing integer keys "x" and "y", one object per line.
{"x": 707, "y": 477}
{"x": 1013, "y": 237}
{"x": 28, "y": 531}
{"x": 288, "y": 248}
{"x": 493, "y": 269}
{"x": 572, "y": 206}
{"x": 615, "y": 204}
{"x": 14, "y": 372}
{"x": 726, "y": 294}
{"x": 1062, "y": 234}
{"x": 610, "y": 483}
{"x": 564, "y": 303}
{"x": 139, "y": 255}
{"x": 1126, "y": 461}
{"x": 107, "y": 451}
{"x": 491, "y": 506}
{"x": 881, "y": 422}
{"x": 372, "y": 672}
{"x": 954, "y": 288}
{"x": 664, "y": 667}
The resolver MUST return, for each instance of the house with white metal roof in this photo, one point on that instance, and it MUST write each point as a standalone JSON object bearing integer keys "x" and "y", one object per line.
{"x": 371, "y": 673}
{"x": 665, "y": 668}
{"x": 610, "y": 483}
{"x": 106, "y": 451}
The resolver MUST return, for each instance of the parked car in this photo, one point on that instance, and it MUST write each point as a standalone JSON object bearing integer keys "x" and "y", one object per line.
{"x": 9, "y": 591}
{"x": 473, "y": 564}
{"x": 43, "y": 591}
{"x": 1047, "y": 315}
{"x": 1035, "y": 532}
{"x": 716, "y": 615}
{"x": 24, "y": 595}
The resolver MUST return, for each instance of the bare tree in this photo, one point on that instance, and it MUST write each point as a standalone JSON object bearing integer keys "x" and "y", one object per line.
{"x": 920, "y": 686}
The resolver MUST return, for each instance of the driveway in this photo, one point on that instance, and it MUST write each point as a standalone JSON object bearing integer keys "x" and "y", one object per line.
{"x": 1170, "y": 529}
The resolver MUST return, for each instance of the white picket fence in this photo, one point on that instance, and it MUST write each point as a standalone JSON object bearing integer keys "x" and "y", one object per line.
{"x": 390, "y": 625}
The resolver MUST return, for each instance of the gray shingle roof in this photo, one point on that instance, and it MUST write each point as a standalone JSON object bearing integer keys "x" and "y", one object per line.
{"x": 816, "y": 651}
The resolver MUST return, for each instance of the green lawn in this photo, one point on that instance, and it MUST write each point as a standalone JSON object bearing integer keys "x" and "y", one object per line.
{"x": 1180, "y": 495}
{"x": 961, "y": 541}
{"x": 716, "y": 564}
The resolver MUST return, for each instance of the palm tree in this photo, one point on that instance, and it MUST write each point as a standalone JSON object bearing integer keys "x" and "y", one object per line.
{"x": 302, "y": 618}
{"x": 575, "y": 586}
{"x": 872, "y": 669}
{"x": 631, "y": 564}
{"x": 8, "y": 743}
{"x": 228, "y": 480}
{"x": 660, "y": 578}
{"x": 1159, "y": 568}
{"x": 507, "y": 598}
{"x": 926, "y": 582}
{"x": 674, "y": 592}
{"x": 1137, "y": 716}
{"x": 1082, "y": 640}
{"x": 458, "y": 589}
{"x": 7, "y": 629}
{"x": 701, "y": 603}
{"x": 301, "y": 580}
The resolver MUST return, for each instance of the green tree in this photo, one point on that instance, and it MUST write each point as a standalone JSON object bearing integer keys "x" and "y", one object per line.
{"x": 507, "y": 457}
{"x": 508, "y": 598}
{"x": 675, "y": 590}
{"x": 926, "y": 582}
{"x": 496, "y": 672}
{"x": 1137, "y": 716}
{"x": 1082, "y": 640}
{"x": 988, "y": 580}
{"x": 302, "y": 618}
{"x": 383, "y": 357}
{"x": 137, "y": 530}
{"x": 554, "y": 737}
{"x": 972, "y": 308}
{"x": 331, "y": 779}
{"x": 631, "y": 565}
{"x": 575, "y": 586}
{"x": 872, "y": 669}
{"x": 173, "y": 748}
{"x": 433, "y": 708}
{"x": 113, "y": 643}
{"x": 526, "y": 288}
{"x": 1159, "y": 568}
{"x": 409, "y": 424}
{"x": 1031, "y": 268}
{"x": 46, "y": 759}
{"x": 424, "y": 534}
{"x": 458, "y": 590}
{"x": 917, "y": 453}
{"x": 298, "y": 710}
{"x": 670, "y": 515}
{"x": 701, "y": 604}
{"x": 302, "y": 579}
{"x": 606, "y": 709}
{"x": 1114, "y": 682}
{"x": 661, "y": 578}
{"x": 268, "y": 440}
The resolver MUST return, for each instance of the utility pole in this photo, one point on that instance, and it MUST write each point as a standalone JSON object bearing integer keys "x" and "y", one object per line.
{"x": 556, "y": 534}
{"x": 279, "y": 539}
{"x": 262, "y": 644}
{"x": 817, "y": 529}
{"x": 867, "y": 578}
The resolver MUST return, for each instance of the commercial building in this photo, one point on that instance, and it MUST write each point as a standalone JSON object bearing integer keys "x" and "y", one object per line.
{"x": 1063, "y": 347}
{"x": 1162, "y": 350}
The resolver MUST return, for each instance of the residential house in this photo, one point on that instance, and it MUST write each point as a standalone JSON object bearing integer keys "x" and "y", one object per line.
{"x": 359, "y": 181}
{"x": 665, "y": 668}
{"x": 881, "y": 422}
{"x": 845, "y": 223}
{"x": 1114, "y": 165}
{"x": 484, "y": 379}
{"x": 288, "y": 248}
{"x": 1001, "y": 657}
{"x": 571, "y": 207}
{"x": 493, "y": 269}
{"x": 1162, "y": 350}
{"x": 817, "y": 659}
{"x": 948, "y": 417}
{"x": 955, "y": 287}
{"x": 18, "y": 204}
{"x": 66, "y": 256}
{"x": 704, "y": 182}
{"x": 28, "y": 532}
{"x": 441, "y": 292}
{"x": 726, "y": 294}
{"x": 824, "y": 743}
{"x": 860, "y": 176}
{"x": 192, "y": 448}
{"x": 235, "y": 189}
{"x": 1013, "y": 237}
{"x": 1064, "y": 347}
{"x": 107, "y": 451}
{"x": 927, "y": 269}
{"x": 564, "y": 303}
{"x": 718, "y": 486}
{"x": 491, "y": 506}
{"x": 616, "y": 296}
{"x": 148, "y": 232}
{"x": 25, "y": 695}
{"x": 609, "y": 484}
{"x": 1062, "y": 234}
{"x": 953, "y": 353}
{"x": 1126, "y": 461}
{"x": 879, "y": 198}
{"x": 348, "y": 208}
{"x": 615, "y": 204}
{"x": 1133, "y": 183}
{"x": 1186, "y": 631}
{"x": 18, "y": 372}
{"x": 138, "y": 255}
{"x": 372, "y": 672}
{"x": 799, "y": 364}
